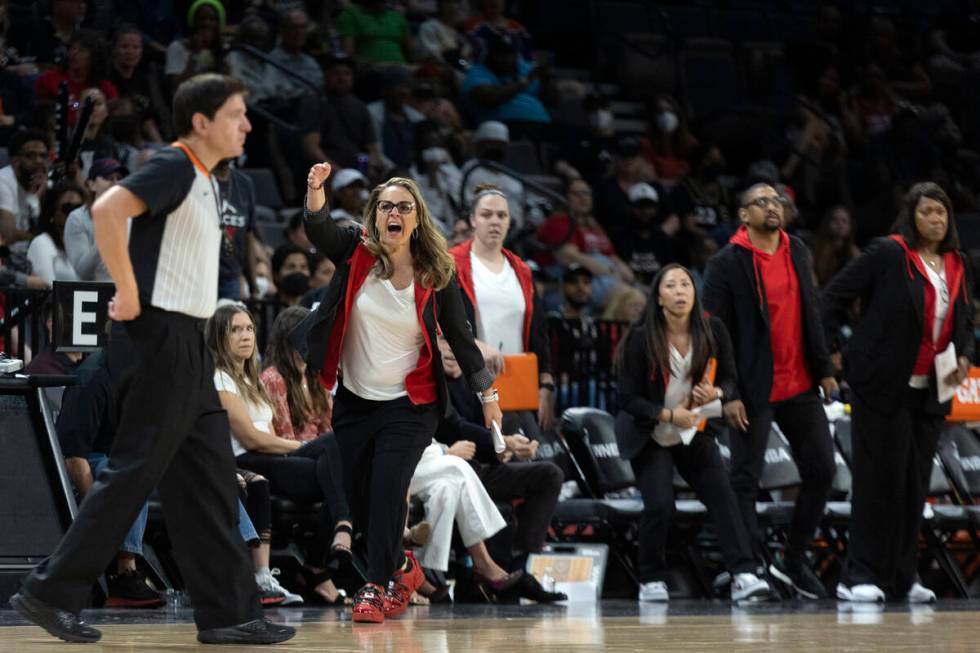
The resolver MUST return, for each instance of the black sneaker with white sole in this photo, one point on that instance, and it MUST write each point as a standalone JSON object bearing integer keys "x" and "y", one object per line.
{"x": 801, "y": 579}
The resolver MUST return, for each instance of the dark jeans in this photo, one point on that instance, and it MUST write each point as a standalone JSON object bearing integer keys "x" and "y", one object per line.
{"x": 381, "y": 443}
{"x": 804, "y": 423}
{"x": 892, "y": 465}
{"x": 313, "y": 473}
{"x": 538, "y": 485}
{"x": 701, "y": 466}
{"x": 173, "y": 435}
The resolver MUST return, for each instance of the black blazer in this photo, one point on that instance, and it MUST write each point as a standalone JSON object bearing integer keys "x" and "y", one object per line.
{"x": 641, "y": 388}
{"x": 732, "y": 293}
{"x": 312, "y": 334}
{"x": 881, "y": 353}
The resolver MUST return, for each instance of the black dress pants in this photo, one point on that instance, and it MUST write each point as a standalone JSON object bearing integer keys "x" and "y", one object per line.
{"x": 538, "y": 484}
{"x": 381, "y": 443}
{"x": 892, "y": 464}
{"x": 312, "y": 473}
{"x": 804, "y": 423}
{"x": 173, "y": 435}
{"x": 701, "y": 466}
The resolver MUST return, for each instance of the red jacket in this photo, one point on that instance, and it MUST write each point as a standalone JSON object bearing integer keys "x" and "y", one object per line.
{"x": 464, "y": 272}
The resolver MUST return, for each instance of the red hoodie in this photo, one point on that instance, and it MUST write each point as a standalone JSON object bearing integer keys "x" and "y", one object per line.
{"x": 776, "y": 277}
{"x": 954, "y": 280}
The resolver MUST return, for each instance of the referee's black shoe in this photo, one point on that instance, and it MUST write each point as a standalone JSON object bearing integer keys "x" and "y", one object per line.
{"x": 798, "y": 576}
{"x": 259, "y": 631}
{"x": 60, "y": 623}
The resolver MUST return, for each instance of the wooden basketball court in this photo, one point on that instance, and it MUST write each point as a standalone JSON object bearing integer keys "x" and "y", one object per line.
{"x": 612, "y": 626}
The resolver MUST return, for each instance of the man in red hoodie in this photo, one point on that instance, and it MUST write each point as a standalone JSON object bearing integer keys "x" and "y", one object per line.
{"x": 761, "y": 286}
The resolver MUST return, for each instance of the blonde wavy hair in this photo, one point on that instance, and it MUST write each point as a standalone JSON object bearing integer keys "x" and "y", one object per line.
{"x": 434, "y": 266}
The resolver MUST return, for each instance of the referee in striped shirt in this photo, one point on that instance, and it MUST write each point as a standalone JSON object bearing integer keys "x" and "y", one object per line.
{"x": 173, "y": 434}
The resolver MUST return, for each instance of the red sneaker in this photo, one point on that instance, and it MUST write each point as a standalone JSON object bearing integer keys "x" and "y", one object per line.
{"x": 402, "y": 585}
{"x": 369, "y": 604}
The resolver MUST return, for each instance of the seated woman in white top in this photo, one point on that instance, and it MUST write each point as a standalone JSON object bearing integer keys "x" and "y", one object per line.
{"x": 47, "y": 250}
{"x": 308, "y": 472}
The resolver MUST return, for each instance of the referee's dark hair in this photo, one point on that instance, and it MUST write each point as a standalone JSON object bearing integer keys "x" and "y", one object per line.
{"x": 202, "y": 94}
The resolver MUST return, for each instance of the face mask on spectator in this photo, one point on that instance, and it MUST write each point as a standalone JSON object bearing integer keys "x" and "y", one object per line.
{"x": 295, "y": 285}
{"x": 262, "y": 285}
{"x": 667, "y": 121}
{"x": 435, "y": 155}
{"x": 602, "y": 120}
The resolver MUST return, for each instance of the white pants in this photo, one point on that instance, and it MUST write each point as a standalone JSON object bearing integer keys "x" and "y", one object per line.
{"x": 451, "y": 491}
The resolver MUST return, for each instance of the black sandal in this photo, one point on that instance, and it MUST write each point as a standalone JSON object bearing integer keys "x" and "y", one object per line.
{"x": 341, "y": 552}
{"x": 313, "y": 579}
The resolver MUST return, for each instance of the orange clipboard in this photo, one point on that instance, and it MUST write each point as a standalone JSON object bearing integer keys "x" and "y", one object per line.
{"x": 518, "y": 385}
{"x": 709, "y": 375}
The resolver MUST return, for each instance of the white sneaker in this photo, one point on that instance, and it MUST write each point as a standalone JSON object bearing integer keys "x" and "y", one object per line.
{"x": 864, "y": 593}
{"x": 919, "y": 593}
{"x": 654, "y": 591}
{"x": 748, "y": 586}
{"x": 267, "y": 582}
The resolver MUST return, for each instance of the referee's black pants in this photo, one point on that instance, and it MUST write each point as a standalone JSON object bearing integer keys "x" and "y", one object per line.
{"x": 804, "y": 423}
{"x": 173, "y": 435}
{"x": 892, "y": 460}
{"x": 381, "y": 443}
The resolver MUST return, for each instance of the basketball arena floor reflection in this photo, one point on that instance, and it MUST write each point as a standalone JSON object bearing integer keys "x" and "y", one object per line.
{"x": 684, "y": 625}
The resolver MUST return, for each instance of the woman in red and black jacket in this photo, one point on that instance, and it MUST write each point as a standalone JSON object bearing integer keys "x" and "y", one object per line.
{"x": 500, "y": 302}
{"x": 394, "y": 286}
{"x": 915, "y": 292}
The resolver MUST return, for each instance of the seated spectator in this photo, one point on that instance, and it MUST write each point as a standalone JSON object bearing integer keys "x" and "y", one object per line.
{"x": 614, "y": 208}
{"x": 576, "y": 293}
{"x": 309, "y": 472}
{"x": 200, "y": 52}
{"x": 871, "y": 106}
{"x": 341, "y": 131}
{"x": 301, "y": 408}
{"x": 259, "y": 76}
{"x": 490, "y": 23}
{"x": 507, "y": 87}
{"x": 589, "y": 155}
{"x": 440, "y": 39}
{"x": 323, "y": 271}
{"x": 625, "y": 305}
{"x": 439, "y": 180}
{"x": 510, "y": 476}
{"x": 462, "y": 231}
{"x": 588, "y": 246}
{"x": 833, "y": 244}
{"x": 490, "y": 140}
{"x": 294, "y": 27}
{"x": 395, "y": 119}
{"x": 22, "y": 183}
{"x": 296, "y": 233}
{"x": 49, "y": 42}
{"x": 15, "y": 270}
{"x": 500, "y": 302}
{"x": 157, "y": 19}
{"x": 291, "y": 272}
{"x": 79, "y": 230}
{"x": 47, "y": 250}
{"x": 136, "y": 79}
{"x": 86, "y": 66}
{"x": 350, "y": 195}
{"x": 375, "y": 33}
{"x": 669, "y": 142}
{"x": 647, "y": 242}
{"x": 704, "y": 204}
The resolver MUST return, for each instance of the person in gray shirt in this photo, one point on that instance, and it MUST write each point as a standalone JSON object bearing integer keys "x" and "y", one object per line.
{"x": 79, "y": 231}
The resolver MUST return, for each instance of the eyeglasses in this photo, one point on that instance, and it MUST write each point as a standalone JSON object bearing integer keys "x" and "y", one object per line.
{"x": 384, "y": 206}
{"x": 763, "y": 202}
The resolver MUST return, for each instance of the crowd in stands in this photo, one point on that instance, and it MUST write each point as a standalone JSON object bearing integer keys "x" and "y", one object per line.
{"x": 457, "y": 96}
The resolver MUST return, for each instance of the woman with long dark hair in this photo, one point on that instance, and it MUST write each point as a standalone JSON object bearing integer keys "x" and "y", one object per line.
{"x": 47, "y": 250}
{"x": 916, "y": 298}
{"x": 301, "y": 407}
{"x": 394, "y": 285}
{"x": 308, "y": 472}
{"x": 86, "y": 66}
{"x": 676, "y": 366}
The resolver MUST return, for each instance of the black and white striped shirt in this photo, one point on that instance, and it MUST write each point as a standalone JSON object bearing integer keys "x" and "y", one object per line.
{"x": 175, "y": 246}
